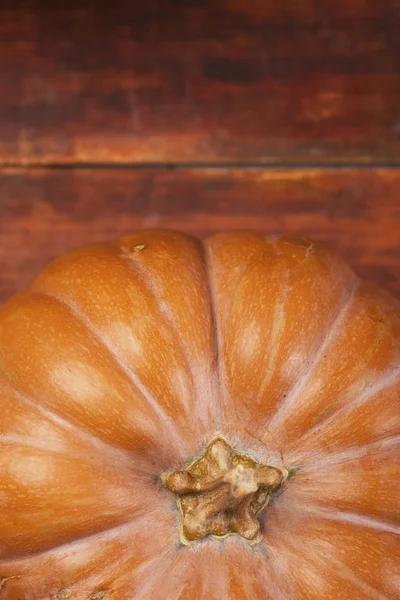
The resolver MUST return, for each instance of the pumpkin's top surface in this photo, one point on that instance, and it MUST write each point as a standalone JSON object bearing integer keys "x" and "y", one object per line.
{"x": 188, "y": 420}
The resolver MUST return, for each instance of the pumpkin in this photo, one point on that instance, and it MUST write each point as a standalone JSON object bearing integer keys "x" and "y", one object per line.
{"x": 200, "y": 420}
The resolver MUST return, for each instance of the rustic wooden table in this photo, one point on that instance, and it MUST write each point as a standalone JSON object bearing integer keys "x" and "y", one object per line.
{"x": 199, "y": 115}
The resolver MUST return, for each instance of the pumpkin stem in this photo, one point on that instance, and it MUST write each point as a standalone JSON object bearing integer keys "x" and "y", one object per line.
{"x": 222, "y": 492}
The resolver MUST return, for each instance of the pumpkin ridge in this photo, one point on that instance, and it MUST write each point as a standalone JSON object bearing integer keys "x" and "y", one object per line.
{"x": 280, "y": 302}
{"x": 330, "y": 336}
{"x": 276, "y": 337}
{"x": 146, "y": 565}
{"x": 284, "y": 587}
{"x": 164, "y": 313}
{"x": 346, "y": 516}
{"x": 345, "y": 573}
{"x": 351, "y": 453}
{"x": 26, "y": 443}
{"x": 18, "y": 559}
{"x": 147, "y": 395}
{"x": 154, "y": 581}
{"x": 55, "y": 417}
{"x": 226, "y": 397}
{"x": 78, "y": 540}
{"x": 216, "y": 333}
{"x": 389, "y": 379}
{"x": 357, "y": 580}
{"x": 22, "y": 442}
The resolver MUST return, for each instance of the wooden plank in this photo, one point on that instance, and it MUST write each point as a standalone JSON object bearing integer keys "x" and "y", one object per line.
{"x": 47, "y": 212}
{"x": 245, "y": 81}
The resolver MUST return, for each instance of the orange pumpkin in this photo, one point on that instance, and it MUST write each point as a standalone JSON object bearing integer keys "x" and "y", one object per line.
{"x": 188, "y": 420}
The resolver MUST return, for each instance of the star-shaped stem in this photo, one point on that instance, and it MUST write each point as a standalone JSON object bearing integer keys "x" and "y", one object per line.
{"x": 222, "y": 493}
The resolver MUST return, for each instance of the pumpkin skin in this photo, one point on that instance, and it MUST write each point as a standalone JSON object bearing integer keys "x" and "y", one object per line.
{"x": 123, "y": 360}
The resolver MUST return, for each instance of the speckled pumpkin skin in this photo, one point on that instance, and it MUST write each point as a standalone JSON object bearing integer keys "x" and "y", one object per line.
{"x": 123, "y": 360}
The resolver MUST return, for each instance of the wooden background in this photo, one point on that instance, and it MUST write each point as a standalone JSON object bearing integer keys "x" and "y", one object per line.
{"x": 280, "y": 115}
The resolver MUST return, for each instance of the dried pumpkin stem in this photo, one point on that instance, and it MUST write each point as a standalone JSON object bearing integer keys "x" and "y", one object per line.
{"x": 223, "y": 492}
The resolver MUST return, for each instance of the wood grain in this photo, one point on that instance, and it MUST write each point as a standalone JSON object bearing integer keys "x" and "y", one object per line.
{"x": 183, "y": 81}
{"x": 47, "y": 212}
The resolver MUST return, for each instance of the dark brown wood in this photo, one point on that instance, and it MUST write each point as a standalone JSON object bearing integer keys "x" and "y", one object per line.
{"x": 47, "y": 212}
{"x": 199, "y": 81}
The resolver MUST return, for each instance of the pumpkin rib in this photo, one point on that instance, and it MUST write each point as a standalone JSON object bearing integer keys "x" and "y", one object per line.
{"x": 152, "y": 287}
{"x": 63, "y": 393}
{"x": 53, "y": 509}
{"x": 55, "y": 417}
{"x": 345, "y": 516}
{"x": 176, "y": 265}
{"x": 274, "y": 557}
{"x": 307, "y": 546}
{"x": 367, "y": 347}
{"x": 330, "y": 337}
{"x": 165, "y": 313}
{"x": 349, "y": 574}
{"x": 20, "y": 441}
{"x": 386, "y": 381}
{"x": 241, "y": 278}
{"x": 216, "y": 333}
{"x": 67, "y": 545}
{"x": 352, "y": 453}
{"x": 366, "y": 485}
{"x": 226, "y": 399}
{"x": 147, "y": 565}
{"x": 234, "y": 255}
{"x": 103, "y": 551}
{"x": 154, "y": 581}
{"x": 158, "y": 409}
{"x": 23, "y": 442}
{"x": 121, "y": 295}
{"x": 276, "y": 338}
{"x": 344, "y": 573}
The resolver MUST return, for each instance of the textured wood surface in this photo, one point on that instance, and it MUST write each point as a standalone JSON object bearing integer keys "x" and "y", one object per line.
{"x": 356, "y": 211}
{"x": 258, "y": 104}
{"x": 200, "y": 81}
